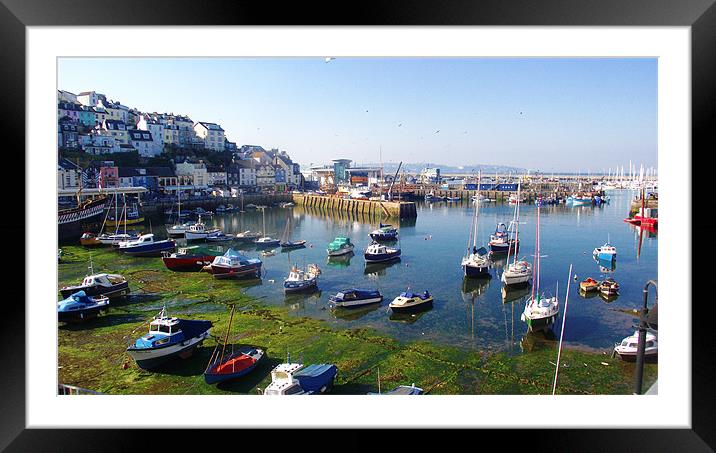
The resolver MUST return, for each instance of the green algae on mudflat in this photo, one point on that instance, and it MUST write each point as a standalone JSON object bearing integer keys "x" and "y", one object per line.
{"x": 92, "y": 355}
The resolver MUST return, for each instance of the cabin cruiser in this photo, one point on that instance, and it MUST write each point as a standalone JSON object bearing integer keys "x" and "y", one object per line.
{"x": 409, "y": 301}
{"x": 234, "y": 264}
{"x": 297, "y": 379}
{"x": 110, "y": 285}
{"x": 356, "y": 297}
{"x": 340, "y": 246}
{"x": 300, "y": 280}
{"x": 79, "y": 307}
{"x": 627, "y": 349}
{"x": 145, "y": 245}
{"x": 378, "y": 253}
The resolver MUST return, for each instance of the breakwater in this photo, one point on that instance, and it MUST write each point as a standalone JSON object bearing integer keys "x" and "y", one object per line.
{"x": 369, "y": 208}
{"x": 498, "y": 195}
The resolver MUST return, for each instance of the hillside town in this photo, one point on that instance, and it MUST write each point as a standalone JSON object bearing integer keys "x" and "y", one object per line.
{"x": 105, "y": 144}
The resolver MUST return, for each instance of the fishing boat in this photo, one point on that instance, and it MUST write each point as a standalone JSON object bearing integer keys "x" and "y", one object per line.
{"x": 286, "y": 242}
{"x": 607, "y": 252}
{"x": 223, "y": 367}
{"x": 190, "y": 259}
{"x": 629, "y": 346}
{"x": 115, "y": 240}
{"x": 168, "y": 338}
{"x": 380, "y": 253}
{"x": 340, "y": 246}
{"x": 579, "y": 200}
{"x": 609, "y": 287}
{"x": 247, "y": 236}
{"x": 110, "y": 285}
{"x": 408, "y": 301}
{"x": 385, "y": 232}
{"x": 89, "y": 239}
{"x": 644, "y": 216}
{"x": 202, "y": 212}
{"x": 297, "y": 379}
{"x": 145, "y": 245}
{"x": 500, "y": 241}
{"x": 300, "y": 280}
{"x": 475, "y": 263}
{"x": 589, "y": 285}
{"x": 268, "y": 253}
{"x": 219, "y": 236}
{"x": 199, "y": 232}
{"x": 80, "y": 307}
{"x": 540, "y": 312}
{"x": 233, "y": 264}
{"x": 356, "y": 297}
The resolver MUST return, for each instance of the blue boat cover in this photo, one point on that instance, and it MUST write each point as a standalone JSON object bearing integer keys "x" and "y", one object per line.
{"x": 235, "y": 254}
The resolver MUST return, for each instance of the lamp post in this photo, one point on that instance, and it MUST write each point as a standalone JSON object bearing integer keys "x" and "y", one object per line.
{"x": 643, "y": 324}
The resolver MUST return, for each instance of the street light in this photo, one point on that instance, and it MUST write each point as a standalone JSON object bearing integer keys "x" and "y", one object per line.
{"x": 643, "y": 325}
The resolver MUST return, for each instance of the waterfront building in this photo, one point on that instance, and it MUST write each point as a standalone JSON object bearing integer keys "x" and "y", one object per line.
{"x": 230, "y": 146}
{"x": 429, "y": 175}
{"x": 87, "y": 116}
{"x": 66, "y": 96}
{"x": 323, "y": 175}
{"x": 265, "y": 176}
{"x": 211, "y": 134}
{"x": 68, "y": 109}
{"x": 97, "y": 142}
{"x": 216, "y": 175}
{"x": 153, "y": 178}
{"x": 366, "y": 176}
{"x": 283, "y": 162}
{"x": 109, "y": 175}
{"x": 67, "y": 174}
{"x": 195, "y": 173}
{"x": 242, "y": 174}
{"x": 339, "y": 170}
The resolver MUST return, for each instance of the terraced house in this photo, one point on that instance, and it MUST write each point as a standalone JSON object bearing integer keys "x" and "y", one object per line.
{"x": 212, "y": 135}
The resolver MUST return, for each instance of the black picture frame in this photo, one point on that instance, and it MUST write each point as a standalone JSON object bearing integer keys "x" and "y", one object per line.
{"x": 16, "y": 15}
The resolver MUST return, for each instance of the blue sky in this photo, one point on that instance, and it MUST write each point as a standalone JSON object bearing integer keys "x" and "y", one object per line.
{"x": 538, "y": 113}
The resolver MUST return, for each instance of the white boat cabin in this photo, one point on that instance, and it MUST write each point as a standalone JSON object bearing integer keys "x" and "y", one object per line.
{"x": 102, "y": 280}
{"x": 282, "y": 381}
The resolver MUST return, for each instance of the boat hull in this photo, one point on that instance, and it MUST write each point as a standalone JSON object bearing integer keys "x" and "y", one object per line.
{"x": 631, "y": 356}
{"x": 136, "y": 221}
{"x": 153, "y": 249}
{"x": 476, "y": 271}
{"x": 118, "y": 290}
{"x": 220, "y": 272}
{"x": 517, "y": 279}
{"x": 343, "y": 251}
{"x": 80, "y": 315}
{"x": 152, "y": 358}
{"x": 412, "y": 308}
{"x": 540, "y": 324}
{"x": 235, "y": 366}
{"x": 187, "y": 263}
{"x": 381, "y": 257}
{"x": 297, "y": 287}
{"x": 358, "y": 302}
{"x": 266, "y": 244}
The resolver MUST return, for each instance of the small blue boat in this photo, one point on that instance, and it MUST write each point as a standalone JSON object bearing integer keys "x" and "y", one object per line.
{"x": 378, "y": 253}
{"x": 356, "y": 297}
{"x": 386, "y": 232}
{"x": 607, "y": 252}
{"x": 145, "y": 245}
{"x": 80, "y": 307}
{"x": 167, "y": 339}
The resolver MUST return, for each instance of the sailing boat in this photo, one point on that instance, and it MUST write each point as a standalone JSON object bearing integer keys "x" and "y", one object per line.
{"x": 475, "y": 263}
{"x": 286, "y": 242}
{"x": 89, "y": 239}
{"x": 540, "y": 312}
{"x": 117, "y": 238}
{"x": 266, "y": 241}
{"x": 178, "y": 229}
{"x": 223, "y": 367}
{"x": 517, "y": 272}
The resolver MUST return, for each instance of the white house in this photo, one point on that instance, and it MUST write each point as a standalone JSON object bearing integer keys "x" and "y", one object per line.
{"x": 211, "y": 134}
{"x": 145, "y": 123}
{"x": 194, "y": 172}
{"x": 142, "y": 141}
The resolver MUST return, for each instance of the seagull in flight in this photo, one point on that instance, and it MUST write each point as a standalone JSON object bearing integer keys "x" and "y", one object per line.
{"x": 437, "y": 131}
{"x": 400, "y": 124}
{"x": 328, "y": 59}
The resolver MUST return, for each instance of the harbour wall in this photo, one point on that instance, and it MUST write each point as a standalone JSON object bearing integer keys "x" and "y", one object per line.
{"x": 152, "y": 208}
{"x": 366, "y": 208}
{"x": 530, "y": 195}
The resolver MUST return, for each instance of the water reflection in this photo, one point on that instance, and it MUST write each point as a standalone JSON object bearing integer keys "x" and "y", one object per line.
{"x": 352, "y": 314}
{"x": 514, "y": 293}
{"x": 535, "y": 341}
{"x": 379, "y": 269}
{"x": 409, "y": 318}
{"x": 340, "y": 260}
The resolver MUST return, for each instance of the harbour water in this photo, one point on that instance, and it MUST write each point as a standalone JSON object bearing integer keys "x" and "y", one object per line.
{"x": 469, "y": 313}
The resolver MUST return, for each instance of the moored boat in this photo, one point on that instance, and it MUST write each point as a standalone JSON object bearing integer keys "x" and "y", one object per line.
{"x": 385, "y": 232}
{"x": 475, "y": 263}
{"x": 340, "y": 246}
{"x": 233, "y": 264}
{"x": 199, "y": 232}
{"x": 223, "y": 367}
{"x": 500, "y": 242}
{"x": 247, "y": 236}
{"x": 589, "y": 285}
{"x": 117, "y": 239}
{"x": 110, "y": 285}
{"x": 89, "y": 239}
{"x": 379, "y": 253}
{"x": 297, "y": 379}
{"x": 301, "y": 280}
{"x": 607, "y": 252}
{"x": 219, "y": 236}
{"x": 168, "y": 338}
{"x": 356, "y": 297}
{"x": 145, "y": 245}
{"x": 408, "y": 301}
{"x": 80, "y": 307}
{"x": 191, "y": 259}
{"x": 628, "y": 348}
{"x": 609, "y": 287}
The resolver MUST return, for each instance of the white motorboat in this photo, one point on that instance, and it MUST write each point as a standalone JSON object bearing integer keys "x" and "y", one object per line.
{"x": 199, "y": 232}
{"x": 627, "y": 349}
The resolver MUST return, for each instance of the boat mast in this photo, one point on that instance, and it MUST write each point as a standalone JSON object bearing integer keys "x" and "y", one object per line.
{"x": 477, "y": 208}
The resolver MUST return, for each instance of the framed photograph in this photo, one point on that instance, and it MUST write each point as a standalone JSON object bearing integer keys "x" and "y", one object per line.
{"x": 457, "y": 206}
